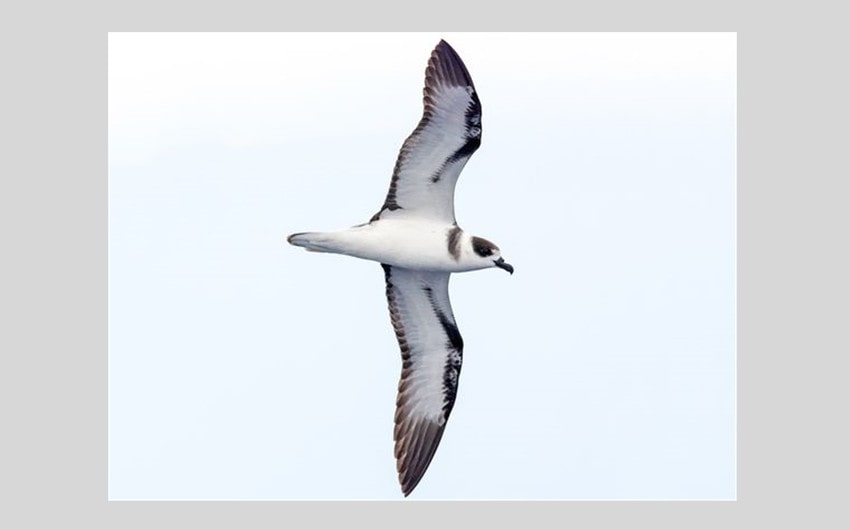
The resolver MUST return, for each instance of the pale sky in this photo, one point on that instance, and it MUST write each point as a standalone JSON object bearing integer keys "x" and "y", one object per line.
{"x": 243, "y": 368}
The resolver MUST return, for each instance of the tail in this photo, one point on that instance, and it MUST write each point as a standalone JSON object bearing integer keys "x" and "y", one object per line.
{"x": 314, "y": 241}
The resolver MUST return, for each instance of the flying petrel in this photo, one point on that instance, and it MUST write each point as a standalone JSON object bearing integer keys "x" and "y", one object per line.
{"x": 417, "y": 241}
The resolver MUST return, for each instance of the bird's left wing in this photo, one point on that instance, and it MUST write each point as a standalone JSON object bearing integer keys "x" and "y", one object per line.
{"x": 431, "y": 352}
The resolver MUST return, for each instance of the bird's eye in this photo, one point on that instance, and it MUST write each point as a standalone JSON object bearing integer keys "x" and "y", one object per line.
{"x": 482, "y": 247}
{"x": 483, "y": 251}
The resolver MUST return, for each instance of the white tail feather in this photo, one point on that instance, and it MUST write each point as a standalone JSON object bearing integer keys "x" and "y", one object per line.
{"x": 314, "y": 241}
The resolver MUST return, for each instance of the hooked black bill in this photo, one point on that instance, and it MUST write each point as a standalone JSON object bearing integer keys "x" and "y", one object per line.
{"x": 502, "y": 264}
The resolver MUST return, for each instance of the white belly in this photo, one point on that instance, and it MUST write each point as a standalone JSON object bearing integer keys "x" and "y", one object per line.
{"x": 402, "y": 243}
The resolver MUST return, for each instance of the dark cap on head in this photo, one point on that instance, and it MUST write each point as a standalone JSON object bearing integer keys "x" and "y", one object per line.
{"x": 482, "y": 247}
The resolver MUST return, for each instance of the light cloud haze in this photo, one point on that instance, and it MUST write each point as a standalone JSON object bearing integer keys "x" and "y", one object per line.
{"x": 243, "y": 368}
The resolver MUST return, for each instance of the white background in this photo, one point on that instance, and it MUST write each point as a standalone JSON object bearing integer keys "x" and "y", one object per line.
{"x": 243, "y": 368}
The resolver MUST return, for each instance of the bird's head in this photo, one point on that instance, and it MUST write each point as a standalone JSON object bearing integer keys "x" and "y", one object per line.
{"x": 488, "y": 254}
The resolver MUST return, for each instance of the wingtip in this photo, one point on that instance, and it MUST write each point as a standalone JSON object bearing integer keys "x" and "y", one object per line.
{"x": 408, "y": 485}
{"x": 415, "y": 452}
{"x": 444, "y": 47}
{"x": 446, "y": 66}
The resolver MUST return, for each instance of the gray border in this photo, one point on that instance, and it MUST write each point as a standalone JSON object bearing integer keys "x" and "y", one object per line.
{"x": 792, "y": 243}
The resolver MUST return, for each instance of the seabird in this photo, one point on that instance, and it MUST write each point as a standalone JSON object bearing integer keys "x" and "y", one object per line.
{"x": 416, "y": 239}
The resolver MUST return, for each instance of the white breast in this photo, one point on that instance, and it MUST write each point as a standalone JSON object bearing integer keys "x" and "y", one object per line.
{"x": 412, "y": 244}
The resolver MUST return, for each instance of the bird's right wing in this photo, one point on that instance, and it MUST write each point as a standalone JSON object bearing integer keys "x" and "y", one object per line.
{"x": 432, "y": 157}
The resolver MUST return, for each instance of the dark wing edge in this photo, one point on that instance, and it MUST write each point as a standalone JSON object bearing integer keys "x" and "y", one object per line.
{"x": 445, "y": 68}
{"x": 420, "y": 420}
